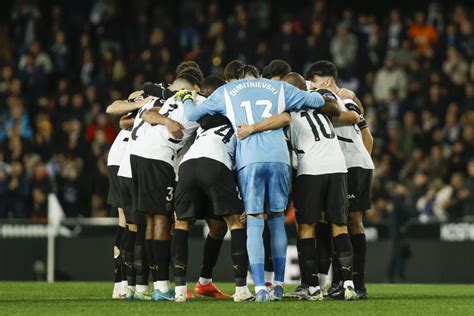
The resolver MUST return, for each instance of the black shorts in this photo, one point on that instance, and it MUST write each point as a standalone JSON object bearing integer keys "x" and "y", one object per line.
{"x": 113, "y": 197}
{"x": 131, "y": 215}
{"x": 206, "y": 187}
{"x": 154, "y": 183}
{"x": 314, "y": 194}
{"x": 359, "y": 187}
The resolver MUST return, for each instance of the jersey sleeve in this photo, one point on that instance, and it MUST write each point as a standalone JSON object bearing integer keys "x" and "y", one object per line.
{"x": 351, "y": 106}
{"x": 295, "y": 99}
{"x": 215, "y": 104}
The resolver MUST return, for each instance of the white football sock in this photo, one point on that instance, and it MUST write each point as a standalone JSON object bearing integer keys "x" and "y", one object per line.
{"x": 124, "y": 284}
{"x": 163, "y": 286}
{"x": 258, "y": 288}
{"x": 323, "y": 279}
{"x": 269, "y": 276}
{"x": 348, "y": 283}
{"x": 142, "y": 288}
{"x": 131, "y": 287}
{"x": 117, "y": 286}
{"x": 204, "y": 281}
{"x": 242, "y": 289}
{"x": 181, "y": 290}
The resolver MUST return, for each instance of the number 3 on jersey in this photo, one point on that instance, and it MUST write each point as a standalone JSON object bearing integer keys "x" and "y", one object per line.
{"x": 322, "y": 127}
{"x": 248, "y": 109}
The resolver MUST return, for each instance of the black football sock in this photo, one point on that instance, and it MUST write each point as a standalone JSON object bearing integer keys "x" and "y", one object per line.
{"x": 123, "y": 246}
{"x": 161, "y": 249}
{"x": 343, "y": 249}
{"x": 308, "y": 258}
{"x": 240, "y": 260}
{"x": 304, "y": 277}
{"x": 139, "y": 255}
{"x": 179, "y": 253}
{"x": 151, "y": 258}
{"x": 359, "y": 244}
{"x": 323, "y": 246}
{"x": 118, "y": 274}
{"x": 129, "y": 259}
{"x": 119, "y": 236}
{"x": 212, "y": 248}
{"x": 268, "y": 249}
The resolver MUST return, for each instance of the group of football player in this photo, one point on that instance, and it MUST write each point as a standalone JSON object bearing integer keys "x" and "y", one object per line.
{"x": 236, "y": 152}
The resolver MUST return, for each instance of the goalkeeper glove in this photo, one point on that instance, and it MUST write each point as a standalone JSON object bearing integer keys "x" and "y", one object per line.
{"x": 184, "y": 95}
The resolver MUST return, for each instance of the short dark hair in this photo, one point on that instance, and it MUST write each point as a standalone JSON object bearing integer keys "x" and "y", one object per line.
{"x": 212, "y": 82}
{"x": 323, "y": 68}
{"x": 186, "y": 64}
{"x": 196, "y": 72}
{"x": 231, "y": 70}
{"x": 276, "y": 68}
{"x": 190, "y": 78}
{"x": 248, "y": 70}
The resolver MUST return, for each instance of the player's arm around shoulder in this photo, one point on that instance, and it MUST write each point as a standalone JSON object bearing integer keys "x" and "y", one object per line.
{"x": 153, "y": 117}
{"x": 135, "y": 101}
{"x": 196, "y": 107}
{"x": 357, "y": 108}
{"x": 330, "y": 108}
{"x": 270, "y": 123}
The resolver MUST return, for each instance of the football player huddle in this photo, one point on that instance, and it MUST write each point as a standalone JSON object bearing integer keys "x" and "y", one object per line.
{"x": 236, "y": 152}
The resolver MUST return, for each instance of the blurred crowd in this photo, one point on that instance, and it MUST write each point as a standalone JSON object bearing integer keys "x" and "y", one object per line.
{"x": 63, "y": 62}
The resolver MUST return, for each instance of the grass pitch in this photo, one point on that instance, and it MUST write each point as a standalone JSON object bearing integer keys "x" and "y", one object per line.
{"x": 93, "y": 298}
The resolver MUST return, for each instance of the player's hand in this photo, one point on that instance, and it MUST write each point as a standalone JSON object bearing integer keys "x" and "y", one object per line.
{"x": 245, "y": 131}
{"x": 175, "y": 128}
{"x": 243, "y": 218}
{"x": 139, "y": 101}
{"x": 184, "y": 95}
{"x": 345, "y": 94}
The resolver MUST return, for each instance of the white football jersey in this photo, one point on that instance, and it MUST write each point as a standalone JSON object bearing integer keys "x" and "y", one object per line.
{"x": 154, "y": 141}
{"x": 216, "y": 143}
{"x": 350, "y": 140}
{"x": 117, "y": 150}
{"x": 125, "y": 169}
{"x": 314, "y": 141}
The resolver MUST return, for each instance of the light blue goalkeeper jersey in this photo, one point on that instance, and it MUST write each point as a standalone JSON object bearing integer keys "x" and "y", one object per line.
{"x": 249, "y": 101}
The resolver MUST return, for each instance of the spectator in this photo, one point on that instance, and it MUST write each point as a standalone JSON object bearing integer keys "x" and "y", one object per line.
{"x": 459, "y": 198}
{"x": 423, "y": 35}
{"x": 432, "y": 205}
{"x": 455, "y": 67}
{"x": 343, "y": 47}
{"x": 41, "y": 187}
{"x": 18, "y": 191}
{"x": 37, "y": 58}
{"x": 17, "y": 122}
{"x": 102, "y": 124}
{"x": 389, "y": 78}
{"x": 395, "y": 29}
{"x": 60, "y": 53}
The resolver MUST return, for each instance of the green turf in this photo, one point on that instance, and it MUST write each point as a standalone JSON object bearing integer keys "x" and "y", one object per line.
{"x": 93, "y": 298}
